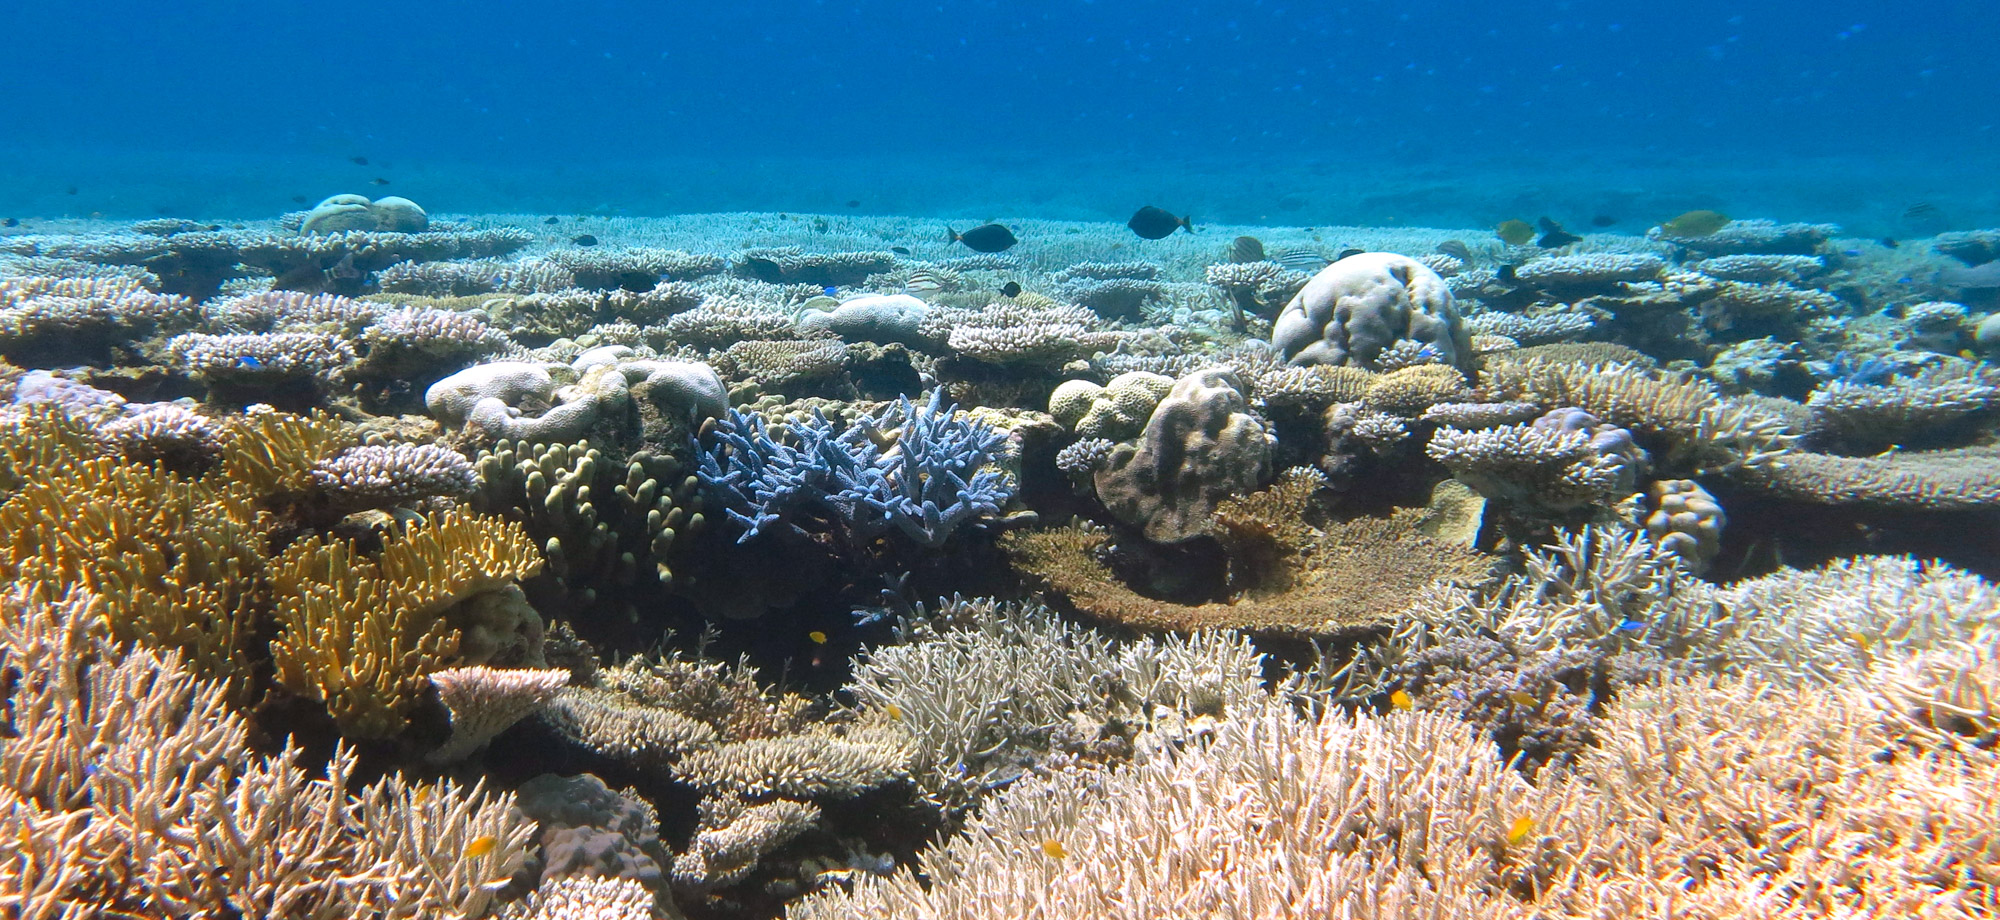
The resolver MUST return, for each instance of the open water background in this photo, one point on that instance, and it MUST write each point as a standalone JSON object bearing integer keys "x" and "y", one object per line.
{"x": 1451, "y": 113}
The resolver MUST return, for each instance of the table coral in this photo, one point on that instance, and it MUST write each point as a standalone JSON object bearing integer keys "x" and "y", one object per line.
{"x": 1286, "y": 577}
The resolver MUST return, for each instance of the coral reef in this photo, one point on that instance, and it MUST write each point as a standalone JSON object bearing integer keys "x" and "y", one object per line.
{"x": 874, "y": 578}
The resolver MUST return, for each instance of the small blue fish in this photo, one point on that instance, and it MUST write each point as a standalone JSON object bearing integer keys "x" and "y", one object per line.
{"x": 1850, "y": 253}
{"x": 830, "y": 290}
{"x": 249, "y": 362}
{"x": 1632, "y": 626}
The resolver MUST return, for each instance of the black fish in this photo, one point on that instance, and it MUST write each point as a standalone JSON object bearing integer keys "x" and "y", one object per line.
{"x": 358, "y": 161}
{"x": 553, "y": 220}
{"x": 984, "y": 238}
{"x": 300, "y": 199}
{"x": 1922, "y": 210}
{"x": 1603, "y": 220}
{"x": 71, "y": 190}
{"x": 1553, "y": 235}
{"x": 378, "y": 180}
{"x": 853, "y": 203}
{"x": 1011, "y": 289}
{"x": 1348, "y": 252}
{"x": 585, "y": 240}
{"x": 11, "y": 222}
{"x": 900, "y": 250}
{"x": 1889, "y": 242}
{"x": 1156, "y": 224}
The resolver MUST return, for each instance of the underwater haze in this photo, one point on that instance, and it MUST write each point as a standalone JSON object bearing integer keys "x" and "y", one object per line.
{"x": 1452, "y": 114}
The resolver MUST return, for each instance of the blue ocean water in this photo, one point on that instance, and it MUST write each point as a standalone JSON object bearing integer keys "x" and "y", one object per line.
{"x": 1449, "y": 114}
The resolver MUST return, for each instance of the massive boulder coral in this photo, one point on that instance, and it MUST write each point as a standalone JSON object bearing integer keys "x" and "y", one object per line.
{"x": 1117, "y": 410}
{"x": 341, "y": 213}
{"x": 491, "y": 402}
{"x": 1201, "y": 445}
{"x": 1354, "y": 309}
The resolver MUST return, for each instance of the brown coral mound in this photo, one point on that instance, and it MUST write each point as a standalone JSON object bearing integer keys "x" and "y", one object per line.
{"x": 1286, "y": 576}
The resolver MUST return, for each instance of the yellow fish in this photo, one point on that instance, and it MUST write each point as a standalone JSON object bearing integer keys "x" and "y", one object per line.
{"x": 1514, "y": 232}
{"x": 1053, "y": 849}
{"x": 1861, "y": 639}
{"x": 894, "y": 711}
{"x": 1522, "y": 699}
{"x": 1402, "y": 699}
{"x": 819, "y": 638}
{"x": 1520, "y": 829}
{"x": 480, "y": 846}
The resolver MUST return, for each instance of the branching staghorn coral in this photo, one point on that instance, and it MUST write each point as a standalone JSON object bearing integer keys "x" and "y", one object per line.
{"x": 149, "y": 799}
{"x": 988, "y": 690}
{"x": 363, "y": 635}
{"x": 1700, "y": 800}
{"x": 1614, "y": 592}
{"x": 921, "y": 470}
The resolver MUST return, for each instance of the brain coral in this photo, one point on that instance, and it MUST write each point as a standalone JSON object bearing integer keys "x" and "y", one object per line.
{"x": 1357, "y": 307}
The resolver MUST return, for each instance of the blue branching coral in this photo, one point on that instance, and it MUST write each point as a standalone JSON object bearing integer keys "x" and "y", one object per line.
{"x": 917, "y": 469}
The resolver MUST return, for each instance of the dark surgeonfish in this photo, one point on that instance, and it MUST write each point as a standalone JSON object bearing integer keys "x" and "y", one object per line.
{"x": 984, "y": 238}
{"x": 1554, "y": 236}
{"x": 1156, "y": 224}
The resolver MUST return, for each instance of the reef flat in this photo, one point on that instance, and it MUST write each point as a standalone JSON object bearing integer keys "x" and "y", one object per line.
{"x": 365, "y": 562}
